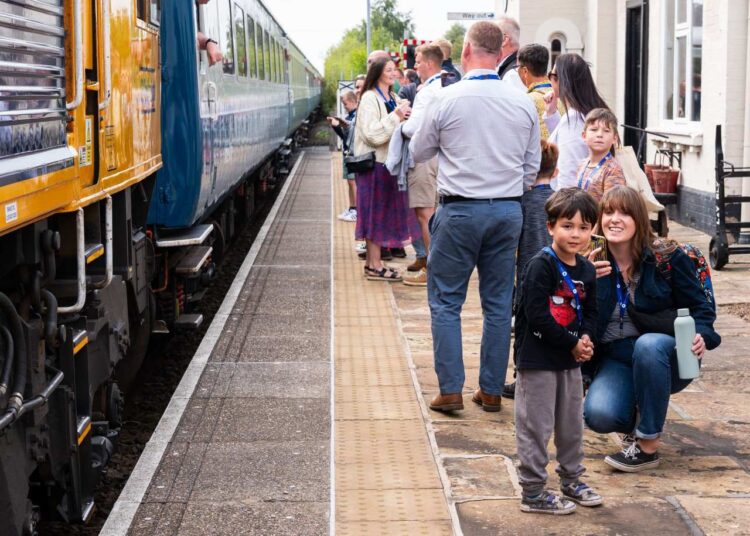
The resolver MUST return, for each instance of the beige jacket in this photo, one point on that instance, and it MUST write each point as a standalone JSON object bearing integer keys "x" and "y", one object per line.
{"x": 374, "y": 126}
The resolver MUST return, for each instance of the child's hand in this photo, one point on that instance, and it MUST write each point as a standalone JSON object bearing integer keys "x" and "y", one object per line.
{"x": 583, "y": 350}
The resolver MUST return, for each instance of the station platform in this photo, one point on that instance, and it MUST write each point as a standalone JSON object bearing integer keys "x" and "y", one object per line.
{"x": 304, "y": 411}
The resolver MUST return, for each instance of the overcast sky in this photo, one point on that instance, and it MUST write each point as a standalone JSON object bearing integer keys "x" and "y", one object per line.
{"x": 316, "y": 25}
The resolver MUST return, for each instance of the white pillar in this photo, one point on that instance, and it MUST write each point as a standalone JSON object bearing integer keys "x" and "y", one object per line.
{"x": 745, "y": 213}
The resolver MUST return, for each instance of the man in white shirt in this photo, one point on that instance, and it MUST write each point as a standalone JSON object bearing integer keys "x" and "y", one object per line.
{"x": 508, "y": 68}
{"x": 486, "y": 136}
{"x": 423, "y": 178}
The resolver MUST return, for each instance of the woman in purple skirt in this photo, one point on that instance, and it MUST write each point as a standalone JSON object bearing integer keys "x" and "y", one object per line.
{"x": 383, "y": 218}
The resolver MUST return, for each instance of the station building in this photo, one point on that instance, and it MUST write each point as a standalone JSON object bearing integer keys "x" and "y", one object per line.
{"x": 677, "y": 67}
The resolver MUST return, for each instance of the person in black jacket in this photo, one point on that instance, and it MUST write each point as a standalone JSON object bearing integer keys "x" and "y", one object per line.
{"x": 451, "y": 74}
{"x": 636, "y": 362}
{"x": 555, "y": 330}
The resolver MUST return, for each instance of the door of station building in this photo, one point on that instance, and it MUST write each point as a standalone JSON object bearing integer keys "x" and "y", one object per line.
{"x": 636, "y": 72}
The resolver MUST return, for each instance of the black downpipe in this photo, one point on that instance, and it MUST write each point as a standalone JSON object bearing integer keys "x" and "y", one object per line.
{"x": 19, "y": 383}
{"x": 8, "y": 361}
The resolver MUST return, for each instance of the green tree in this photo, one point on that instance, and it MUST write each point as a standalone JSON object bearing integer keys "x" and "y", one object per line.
{"x": 348, "y": 57}
{"x": 455, "y": 35}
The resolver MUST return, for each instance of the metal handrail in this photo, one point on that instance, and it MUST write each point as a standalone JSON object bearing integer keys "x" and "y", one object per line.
{"x": 107, "y": 56}
{"x": 76, "y": 102}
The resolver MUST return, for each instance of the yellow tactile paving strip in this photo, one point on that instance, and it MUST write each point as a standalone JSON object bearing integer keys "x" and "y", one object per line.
{"x": 387, "y": 481}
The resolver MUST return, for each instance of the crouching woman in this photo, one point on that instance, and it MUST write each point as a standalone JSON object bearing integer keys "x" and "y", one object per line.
{"x": 635, "y": 360}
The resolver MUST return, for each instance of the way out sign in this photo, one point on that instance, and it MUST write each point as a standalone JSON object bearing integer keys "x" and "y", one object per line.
{"x": 471, "y": 15}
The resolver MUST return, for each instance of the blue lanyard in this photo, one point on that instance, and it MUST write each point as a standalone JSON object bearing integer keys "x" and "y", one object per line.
{"x": 593, "y": 172}
{"x": 390, "y": 104}
{"x": 483, "y": 77}
{"x": 542, "y": 187}
{"x": 568, "y": 281}
{"x": 540, "y": 86}
{"x": 622, "y": 295}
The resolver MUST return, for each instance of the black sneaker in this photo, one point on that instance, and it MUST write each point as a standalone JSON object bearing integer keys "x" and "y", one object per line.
{"x": 582, "y": 494}
{"x": 632, "y": 459}
{"x": 509, "y": 390}
{"x": 399, "y": 253}
{"x": 547, "y": 503}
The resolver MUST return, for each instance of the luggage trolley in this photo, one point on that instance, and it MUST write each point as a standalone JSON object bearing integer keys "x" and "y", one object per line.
{"x": 720, "y": 247}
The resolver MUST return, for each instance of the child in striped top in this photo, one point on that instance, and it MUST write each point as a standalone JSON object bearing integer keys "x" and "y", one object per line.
{"x": 601, "y": 171}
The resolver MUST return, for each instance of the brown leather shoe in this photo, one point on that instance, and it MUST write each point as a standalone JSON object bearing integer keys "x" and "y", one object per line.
{"x": 488, "y": 402}
{"x": 418, "y": 264}
{"x": 447, "y": 403}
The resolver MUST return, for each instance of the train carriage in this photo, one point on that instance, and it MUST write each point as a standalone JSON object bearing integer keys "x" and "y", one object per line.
{"x": 115, "y": 137}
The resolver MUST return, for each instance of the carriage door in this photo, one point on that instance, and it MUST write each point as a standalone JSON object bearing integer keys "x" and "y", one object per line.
{"x": 208, "y": 78}
{"x": 636, "y": 72}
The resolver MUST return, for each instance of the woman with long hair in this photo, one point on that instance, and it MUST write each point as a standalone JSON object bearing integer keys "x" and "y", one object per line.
{"x": 383, "y": 211}
{"x": 574, "y": 86}
{"x": 638, "y": 293}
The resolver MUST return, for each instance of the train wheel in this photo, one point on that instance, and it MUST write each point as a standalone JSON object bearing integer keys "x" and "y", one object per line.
{"x": 140, "y": 335}
{"x": 718, "y": 253}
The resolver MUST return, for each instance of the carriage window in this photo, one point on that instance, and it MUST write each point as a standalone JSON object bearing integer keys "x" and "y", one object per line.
{"x": 225, "y": 35}
{"x": 271, "y": 57}
{"x": 149, "y": 10}
{"x": 251, "y": 47}
{"x": 267, "y": 55}
{"x": 261, "y": 52}
{"x": 239, "y": 31}
{"x": 278, "y": 63}
{"x": 281, "y": 63}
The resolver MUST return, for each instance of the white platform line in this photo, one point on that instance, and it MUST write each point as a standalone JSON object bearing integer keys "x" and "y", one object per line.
{"x": 332, "y": 455}
{"x": 122, "y": 514}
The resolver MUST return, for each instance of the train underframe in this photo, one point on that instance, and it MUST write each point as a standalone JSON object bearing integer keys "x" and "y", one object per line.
{"x": 80, "y": 295}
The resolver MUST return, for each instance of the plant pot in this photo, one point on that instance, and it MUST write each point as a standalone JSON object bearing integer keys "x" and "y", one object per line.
{"x": 665, "y": 180}
{"x": 649, "y": 170}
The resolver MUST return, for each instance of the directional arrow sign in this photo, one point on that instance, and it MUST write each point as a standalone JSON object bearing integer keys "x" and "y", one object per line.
{"x": 472, "y": 15}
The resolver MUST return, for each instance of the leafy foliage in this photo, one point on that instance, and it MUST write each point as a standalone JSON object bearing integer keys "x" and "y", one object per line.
{"x": 455, "y": 35}
{"x": 348, "y": 58}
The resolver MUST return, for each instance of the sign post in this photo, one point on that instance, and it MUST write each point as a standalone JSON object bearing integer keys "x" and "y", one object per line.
{"x": 471, "y": 15}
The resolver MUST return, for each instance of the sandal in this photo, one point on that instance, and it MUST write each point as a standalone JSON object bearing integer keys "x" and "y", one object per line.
{"x": 384, "y": 274}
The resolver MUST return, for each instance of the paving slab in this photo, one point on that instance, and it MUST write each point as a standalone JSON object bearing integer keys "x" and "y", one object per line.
{"x": 255, "y": 519}
{"x": 718, "y": 516}
{"x": 619, "y": 516}
{"x": 275, "y": 348}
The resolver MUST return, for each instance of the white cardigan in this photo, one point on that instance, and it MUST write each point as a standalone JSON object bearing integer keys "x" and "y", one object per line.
{"x": 567, "y": 134}
{"x": 374, "y": 126}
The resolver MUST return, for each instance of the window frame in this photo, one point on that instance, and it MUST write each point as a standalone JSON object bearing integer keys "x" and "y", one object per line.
{"x": 259, "y": 40}
{"x": 237, "y": 61}
{"x": 682, "y": 30}
{"x": 225, "y": 47}
{"x": 252, "y": 66}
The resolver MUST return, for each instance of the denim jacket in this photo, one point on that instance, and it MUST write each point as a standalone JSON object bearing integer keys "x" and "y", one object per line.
{"x": 654, "y": 294}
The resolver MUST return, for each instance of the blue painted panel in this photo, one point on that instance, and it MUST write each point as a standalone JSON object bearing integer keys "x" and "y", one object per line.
{"x": 178, "y": 182}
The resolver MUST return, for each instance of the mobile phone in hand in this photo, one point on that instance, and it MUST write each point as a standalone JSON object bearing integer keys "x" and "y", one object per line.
{"x": 598, "y": 241}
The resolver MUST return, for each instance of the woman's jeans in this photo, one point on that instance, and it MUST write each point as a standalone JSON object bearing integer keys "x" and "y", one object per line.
{"x": 637, "y": 372}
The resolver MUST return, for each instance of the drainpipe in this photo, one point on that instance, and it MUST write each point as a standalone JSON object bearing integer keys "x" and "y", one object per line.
{"x": 745, "y": 214}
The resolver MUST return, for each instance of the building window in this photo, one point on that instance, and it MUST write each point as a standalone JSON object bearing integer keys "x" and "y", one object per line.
{"x": 555, "y": 49}
{"x": 683, "y": 59}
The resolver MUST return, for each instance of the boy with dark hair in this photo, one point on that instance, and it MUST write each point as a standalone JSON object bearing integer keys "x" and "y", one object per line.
{"x": 532, "y": 70}
{"x": 555, "y": 324}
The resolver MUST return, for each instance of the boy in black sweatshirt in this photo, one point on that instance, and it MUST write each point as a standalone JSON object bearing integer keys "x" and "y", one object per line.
{"x": 555, "y": 325}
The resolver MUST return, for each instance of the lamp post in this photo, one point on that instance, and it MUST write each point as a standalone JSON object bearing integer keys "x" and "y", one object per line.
{"x": 369, "y": 33}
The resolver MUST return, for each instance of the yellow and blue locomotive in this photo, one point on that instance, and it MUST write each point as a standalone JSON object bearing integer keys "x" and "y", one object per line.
{"x": 124, "y": 162}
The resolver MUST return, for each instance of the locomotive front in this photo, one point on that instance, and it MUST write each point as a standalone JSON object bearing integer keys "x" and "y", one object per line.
{"x": 79, "y": 147}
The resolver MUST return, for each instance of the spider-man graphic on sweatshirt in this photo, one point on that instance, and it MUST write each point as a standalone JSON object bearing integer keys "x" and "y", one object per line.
{"x": 547, "y": 326}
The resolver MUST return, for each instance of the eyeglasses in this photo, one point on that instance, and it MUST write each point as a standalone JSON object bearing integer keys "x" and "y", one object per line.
{"x": 552, "y": 75}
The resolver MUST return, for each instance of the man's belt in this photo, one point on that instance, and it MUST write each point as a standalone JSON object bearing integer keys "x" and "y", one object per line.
{"x": 446, "y": 199}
